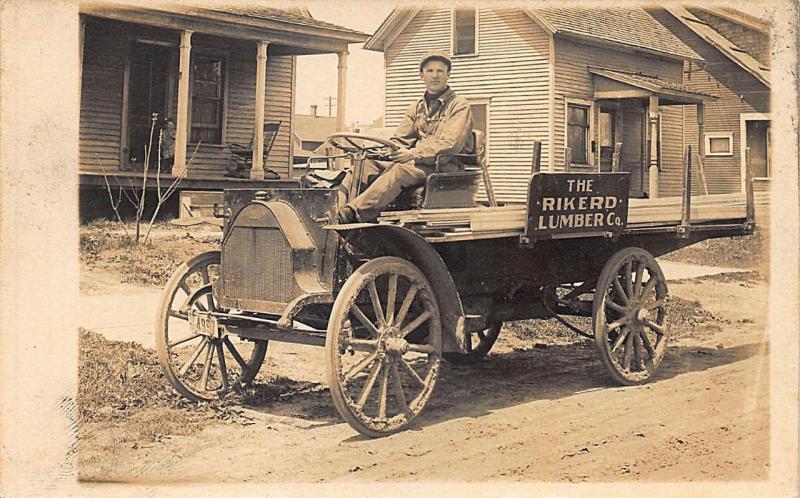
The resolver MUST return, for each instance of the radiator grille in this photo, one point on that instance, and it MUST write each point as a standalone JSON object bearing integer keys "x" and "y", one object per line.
{"x": 258, "y": 265}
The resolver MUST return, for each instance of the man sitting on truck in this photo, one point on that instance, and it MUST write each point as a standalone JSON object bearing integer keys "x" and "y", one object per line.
{"x": 439, "y": 123}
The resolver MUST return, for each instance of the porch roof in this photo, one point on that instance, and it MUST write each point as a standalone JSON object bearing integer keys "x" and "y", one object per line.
{"x": 289, "y": 32}
{"x": 638, "y": 85}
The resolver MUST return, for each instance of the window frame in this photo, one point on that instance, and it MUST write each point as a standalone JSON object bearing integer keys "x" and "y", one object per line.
{"x": 484, "y": 101}
{"x": 589, "y": 105}
{"x": 203, "y": 54}
{"x": 453, "y": 43}
{"x": 707, "y": 137}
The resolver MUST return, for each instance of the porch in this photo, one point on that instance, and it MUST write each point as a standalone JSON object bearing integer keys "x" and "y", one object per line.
{"x": 639, "y": 129}
{"x": 222, "y": 75}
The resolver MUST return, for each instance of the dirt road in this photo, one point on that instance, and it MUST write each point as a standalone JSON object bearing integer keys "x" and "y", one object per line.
{"x": 529, "y": 412}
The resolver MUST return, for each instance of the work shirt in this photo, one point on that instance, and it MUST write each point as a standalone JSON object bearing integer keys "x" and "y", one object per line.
{"x": 444, "y": 128}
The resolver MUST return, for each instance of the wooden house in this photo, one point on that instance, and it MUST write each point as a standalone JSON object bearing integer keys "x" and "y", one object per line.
{"x": 736, "y": 50}
{"x": 221, "y": 73}
{"x": 309, "y": 137}
{"x": 578, "y": 80}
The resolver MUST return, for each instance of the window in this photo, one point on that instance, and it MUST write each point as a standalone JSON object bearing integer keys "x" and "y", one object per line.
{"x": 208, "y": 95}
{"x": 479, "y": 107}
{"x": 479, "y": 116}
{"x": 465, "y": 32}
{"x": 719, "y": 144}
{"x": 578, "y": 132}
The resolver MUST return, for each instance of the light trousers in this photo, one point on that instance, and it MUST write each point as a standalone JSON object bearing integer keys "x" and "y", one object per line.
{"x": 393, "y": 178}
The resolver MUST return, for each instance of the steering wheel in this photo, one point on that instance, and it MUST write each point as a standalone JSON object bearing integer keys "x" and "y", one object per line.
{"x": 354, "y": 142}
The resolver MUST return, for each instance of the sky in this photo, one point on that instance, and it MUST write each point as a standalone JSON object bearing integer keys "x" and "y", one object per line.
{"x": 317, "y": 74}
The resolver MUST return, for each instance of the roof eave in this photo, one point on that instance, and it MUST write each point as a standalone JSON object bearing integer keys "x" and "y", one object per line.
{"x": 540, "y": 20}
{"x": 395, "y": 22}
{"x": 104, "y": 8}
{"x": 679, "y": 13}
{"x": 738, "y": 20}
{"x": 375, "y": 41}
{"x": 349, "y": 36}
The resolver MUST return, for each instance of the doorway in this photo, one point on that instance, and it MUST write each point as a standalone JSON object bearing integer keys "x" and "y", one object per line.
{"x": 608, "y": 137}
{"x": 634, "y": 140}
{"x": 147, "y": 95}
{"x": 757, "y": 139}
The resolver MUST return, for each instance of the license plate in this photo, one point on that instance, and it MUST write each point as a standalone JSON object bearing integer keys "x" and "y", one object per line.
{"x": 203, "y": 324}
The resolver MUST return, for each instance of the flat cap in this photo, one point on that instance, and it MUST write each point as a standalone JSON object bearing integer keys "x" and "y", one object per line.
{"x": 439, "y": 55}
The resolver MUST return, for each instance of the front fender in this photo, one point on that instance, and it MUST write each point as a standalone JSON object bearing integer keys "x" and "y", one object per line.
{"x": 407, "y": 244}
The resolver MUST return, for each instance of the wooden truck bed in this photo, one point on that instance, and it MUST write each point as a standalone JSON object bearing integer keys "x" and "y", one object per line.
{"x": 456, "y": 224}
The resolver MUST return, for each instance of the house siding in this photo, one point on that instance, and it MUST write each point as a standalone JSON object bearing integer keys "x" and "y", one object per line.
{"x": 101, "y": 99}
{"x": 511, "y": 69}
{"x": 739, "y": 93}
{"x": 105, "y": 52}
{"x": 573, "y": 80}
{"x": 211, "y": 160}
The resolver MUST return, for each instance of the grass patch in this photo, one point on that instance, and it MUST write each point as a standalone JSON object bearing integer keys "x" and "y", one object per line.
{"x": 750, "y": 252}
{"x": 124, "y": 399}
{"x": 106, "y": 246}
{"x": 121, "y": 381}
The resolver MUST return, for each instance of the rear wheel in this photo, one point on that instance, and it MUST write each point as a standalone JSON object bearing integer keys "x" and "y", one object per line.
{"x": 383, "y": 346}
{"x": 201, "y": 365}
{"x": 478, "y": 345}
{"x": 629, "y": 316}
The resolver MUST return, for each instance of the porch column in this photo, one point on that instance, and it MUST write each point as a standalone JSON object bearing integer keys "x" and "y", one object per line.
{"x": 341, "y": 91}
{"x": 257, "y": 171}
{"x": 653, "y": 131}
{"x": 182, "y": 118}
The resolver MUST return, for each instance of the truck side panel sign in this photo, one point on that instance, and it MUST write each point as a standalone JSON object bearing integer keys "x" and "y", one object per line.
{"x": 576, "y": 204}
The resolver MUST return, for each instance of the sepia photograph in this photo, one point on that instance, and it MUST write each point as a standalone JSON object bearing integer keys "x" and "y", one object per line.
{"x": 463, "y": 248}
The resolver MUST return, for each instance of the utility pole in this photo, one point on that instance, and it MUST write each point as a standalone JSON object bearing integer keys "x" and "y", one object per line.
{"x": 330, "y": 100}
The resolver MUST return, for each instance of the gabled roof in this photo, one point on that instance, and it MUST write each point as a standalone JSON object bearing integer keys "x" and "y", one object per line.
{"x": 670, "y": 90}
{"x": 627, "y": 27}
{"x": 729, "y": 49}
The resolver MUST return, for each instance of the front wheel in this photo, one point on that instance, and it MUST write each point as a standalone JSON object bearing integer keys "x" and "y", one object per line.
{"x": 206, "y": 364}
{"x": 629, "y": 316}
{"x": 384, "y": 346}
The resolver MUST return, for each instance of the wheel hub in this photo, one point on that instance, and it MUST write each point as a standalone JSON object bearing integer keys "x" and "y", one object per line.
{"x": 396, "y": 345}
{"x": 388, "y": 342}
{"x": 642, "y": 315}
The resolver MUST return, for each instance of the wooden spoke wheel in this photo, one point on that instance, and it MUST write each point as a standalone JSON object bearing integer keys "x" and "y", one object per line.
{"x": 478, "y": 345}
{"x": 201, "y": 363}
{"x": 629, "y": 316}
{"x": 384, "y": 346}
